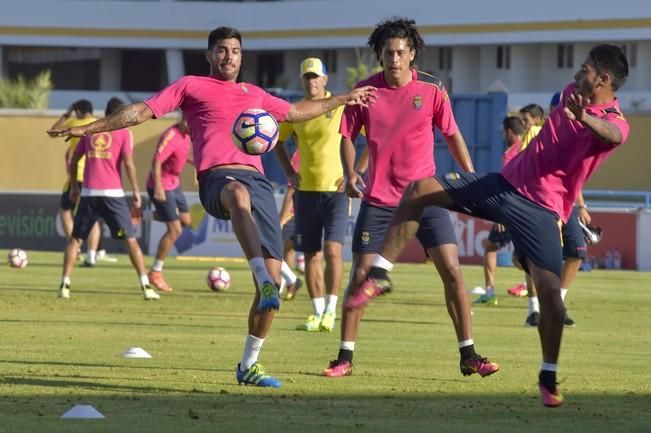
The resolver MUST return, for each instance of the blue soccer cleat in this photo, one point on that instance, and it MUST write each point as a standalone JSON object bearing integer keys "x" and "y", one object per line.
{"x": 269, "y": 299}
{"x": 256, "y": 376}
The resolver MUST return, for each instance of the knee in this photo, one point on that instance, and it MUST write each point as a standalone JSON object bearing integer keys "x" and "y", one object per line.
{"x": 174, "y": 230}
{"x": 332, "y": 251}
{"x": 451, "y": 275}
{"x": 238, "y": 199}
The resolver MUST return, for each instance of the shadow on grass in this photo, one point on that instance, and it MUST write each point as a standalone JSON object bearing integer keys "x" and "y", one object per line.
{"x": 245, "y": 409}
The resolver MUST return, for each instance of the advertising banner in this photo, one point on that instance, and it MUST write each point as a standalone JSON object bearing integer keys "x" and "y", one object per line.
{"x": 31, "y": 221}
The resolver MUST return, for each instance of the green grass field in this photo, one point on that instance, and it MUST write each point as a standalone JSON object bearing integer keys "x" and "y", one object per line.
{"x": 55, "y": 354}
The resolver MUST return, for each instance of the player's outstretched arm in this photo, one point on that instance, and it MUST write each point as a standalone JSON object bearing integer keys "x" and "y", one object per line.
{"x": 309, "y": 109}
{"x": 126, "y": 116}
{"x": 459, "y": 151}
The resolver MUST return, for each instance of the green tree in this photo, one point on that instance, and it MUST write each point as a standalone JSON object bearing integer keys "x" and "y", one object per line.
{"x": 366, "y": 65}
{"x": 22, "y": 93}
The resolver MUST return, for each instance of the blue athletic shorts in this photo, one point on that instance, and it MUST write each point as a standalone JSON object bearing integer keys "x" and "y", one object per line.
{"x": 263, "y": 204}
{"x": 373, "y": 221}
{"x": 535, "y": 231}
{"x": 64, "y": 202}
{"x": 289, "y": 229}
{"x": 573, "y": 241}
{"x": 174, "y": 205}
{"x": 113, "y": 210}
{"x": 319, "y": 216}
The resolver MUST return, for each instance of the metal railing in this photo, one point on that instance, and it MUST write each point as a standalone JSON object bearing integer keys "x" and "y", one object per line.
{"x": 617, "y": 199}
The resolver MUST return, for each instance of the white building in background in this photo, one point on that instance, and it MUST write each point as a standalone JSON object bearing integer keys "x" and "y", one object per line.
{"x": 97, "y": 48}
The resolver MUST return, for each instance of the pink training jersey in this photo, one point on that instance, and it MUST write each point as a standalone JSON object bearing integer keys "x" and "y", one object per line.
{"x": 172, "y": 152}
{"x": 104, "y": 152}
{"x": 210, "y": 107}
{"x": 552, "y": 170}
{"x": 511, "y": 152}
{"x": 399, "y": 133}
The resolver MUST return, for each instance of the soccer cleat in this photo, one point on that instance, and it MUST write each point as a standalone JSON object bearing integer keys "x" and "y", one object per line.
{"x": 520, "y": 290}
{"x": 338, "y": 368}
{"x": 369, "y": 289}
{"x": 312, "y": 325}
{"x": 477, "y": 291}
{"x": 269, "y": 299}
{"x": 532, "y": 320}
{"x": 327, "y": 322}
{"x": 103, "y": 256}
{"x": 479, "y": 365}
{"x": 157, "y": 280}
{"x": 550, "y": 398}
{"x": 64, "y": 291}
{"x": 568, "y": 321}
{"x": 292, "y": 289}
{"x": 150, "y": 294}
{"x": 88, "y": 264}
{"x": 256, "y": 376}
{"x": 488, "y": 299}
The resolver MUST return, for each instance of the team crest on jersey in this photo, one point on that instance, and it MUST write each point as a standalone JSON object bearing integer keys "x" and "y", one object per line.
{"x": 102, "y": 141}
{"x": 366, "y": 238}
{"x": 418, "y": 102}
{"x": 453, "y": 176}
{"x": 244, "y": 88}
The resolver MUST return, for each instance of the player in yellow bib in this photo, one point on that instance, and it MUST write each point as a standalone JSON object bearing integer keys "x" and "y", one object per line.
{"x": 78, "y": 113}
{"x": 320, "y": 208}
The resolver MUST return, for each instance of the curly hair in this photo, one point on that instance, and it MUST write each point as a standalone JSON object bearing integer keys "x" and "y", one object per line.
{"x": 396, "y": 27}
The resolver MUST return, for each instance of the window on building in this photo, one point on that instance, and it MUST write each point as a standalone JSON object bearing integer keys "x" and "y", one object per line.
{"x": 445, "y": 58}
{"x": 143, "y": 70}
{"x": 70, "y": 68}
{"x": 565, "y": 56}
{"x": 630, "y": 51}
{"x": 503, "y": 57}
{"x": 270, "y": 69}
{"x": 330, "y": 61}
{"x": 195, "y": 62}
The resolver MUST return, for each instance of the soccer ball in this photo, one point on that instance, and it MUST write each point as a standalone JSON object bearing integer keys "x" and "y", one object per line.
{"x": 219, "y": 279}
{"x": 255, "y": 132}
{"x": 17, "y": 258}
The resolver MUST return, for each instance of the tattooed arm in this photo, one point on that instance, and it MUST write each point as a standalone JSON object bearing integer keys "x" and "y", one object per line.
{"x": 126, "y": 116}
{"x": 309, "y": 109}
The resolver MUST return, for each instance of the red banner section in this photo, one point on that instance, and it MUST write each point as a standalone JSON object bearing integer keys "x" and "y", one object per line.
{"x": 616, "y": 250}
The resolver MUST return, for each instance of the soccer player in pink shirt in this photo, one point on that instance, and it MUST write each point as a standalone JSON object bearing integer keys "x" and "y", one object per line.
{"x": 102, "y": 197}
{"x": 231, "y": 183}
{"x": 399, "y": 129}
{"x": 533, "y": 194}
{"x": 165, "y": 193}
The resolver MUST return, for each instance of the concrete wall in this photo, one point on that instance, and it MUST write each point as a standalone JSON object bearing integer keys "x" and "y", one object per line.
{"x": 34, "y": 161}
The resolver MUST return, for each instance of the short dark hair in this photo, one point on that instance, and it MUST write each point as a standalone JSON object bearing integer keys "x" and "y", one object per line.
{"x": 395, "y": 27}
{"x": 113, "y": 105}
{"x": 534, "y": 110}
{"x": 612, "y": 60}
{"x": 83, "y": 106}
{"x": 513, "y": 123}
{"x": 221, "y": 33}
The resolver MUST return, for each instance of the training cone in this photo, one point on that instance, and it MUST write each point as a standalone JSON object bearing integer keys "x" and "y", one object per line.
{"x": 83, "y": 411}
{"x": 136, "y": 352}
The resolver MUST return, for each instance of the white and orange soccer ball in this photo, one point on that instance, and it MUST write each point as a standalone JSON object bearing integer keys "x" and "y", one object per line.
{"x": 17, "y": 258}
{"x": 255, "y": 132}
{"x": 219, "y": 280}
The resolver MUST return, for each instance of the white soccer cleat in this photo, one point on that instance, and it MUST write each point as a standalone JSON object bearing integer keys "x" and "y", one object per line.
{"x": 477, "y": 291}
{"x": 150, "y": 294}
{"x": 64, "y": 292}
